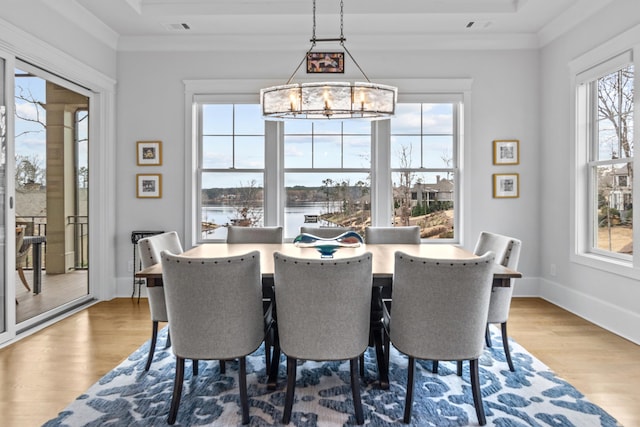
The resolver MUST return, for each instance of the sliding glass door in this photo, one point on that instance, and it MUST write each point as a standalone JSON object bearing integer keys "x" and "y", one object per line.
{"x": 51, "y": 193}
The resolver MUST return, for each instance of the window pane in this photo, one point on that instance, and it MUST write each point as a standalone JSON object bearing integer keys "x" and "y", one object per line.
{"x": 340, "y": 200}
{"x": 615, "y": 115}
{"x": 437, "y": 151}
{"x": 217, "y": 152}
{"x": 614, "y": 210}
{"x": 437, "y": 118}
{"x": 248, "y": 119}
{"x": 249, "y": 152}
{"x": 357, "y": 151}
{"x": 407, "y": 119}
{"x": 229, "y": 198}
{"x": 405, "y": 152}
{"x": 327, "y": 152}
{"x": 217, "y": 119}
{"x": 426, "y": 200}
{"x": 298, "y": 151}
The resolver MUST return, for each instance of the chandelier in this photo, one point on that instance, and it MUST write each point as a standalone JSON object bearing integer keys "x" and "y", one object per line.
{"x": 328, "y": 100}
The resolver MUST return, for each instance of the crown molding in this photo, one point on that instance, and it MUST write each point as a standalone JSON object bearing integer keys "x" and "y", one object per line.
{"x": 40, "y": 53}
{"x": 85, "y": 20}
{"x": 569, "y": 19}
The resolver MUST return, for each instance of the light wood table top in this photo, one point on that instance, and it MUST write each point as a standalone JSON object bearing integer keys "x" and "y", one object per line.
{"x": 383, "y": 257}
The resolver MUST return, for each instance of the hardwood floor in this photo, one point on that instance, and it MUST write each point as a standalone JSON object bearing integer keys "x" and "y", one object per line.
{"x": 43, "y": 373}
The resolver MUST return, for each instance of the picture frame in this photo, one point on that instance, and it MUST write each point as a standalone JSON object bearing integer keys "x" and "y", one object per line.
{"x": 506, "y": 185}
{"x": 148, "y": 186}
{"x": 325, "y": 62}
{"x": 506, "y": 152}
{"x": 149, "y": 153}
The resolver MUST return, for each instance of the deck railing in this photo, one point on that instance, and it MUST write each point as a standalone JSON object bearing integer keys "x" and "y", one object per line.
{"x": 37, "y": 226}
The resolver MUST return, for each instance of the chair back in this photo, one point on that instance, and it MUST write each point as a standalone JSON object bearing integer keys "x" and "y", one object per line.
{"x": 214, "y": 305}
{"x": 236, "y": 234}
{"x": 325, "y": 232}
{"x": 409, "y": 235}
{"x": 20, "y": 253}
{"x": 507, "y": 250}
{"x": 149, "y": 248}
{"x": 440, "y": 306}
{"x": 323, "y": 306}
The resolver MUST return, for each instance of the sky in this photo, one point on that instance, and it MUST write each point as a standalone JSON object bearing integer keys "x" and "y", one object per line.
{"x": 30, "y": 138}
{"x": 426, "y": 129}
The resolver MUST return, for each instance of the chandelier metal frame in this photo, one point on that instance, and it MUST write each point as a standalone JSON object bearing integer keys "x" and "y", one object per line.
{"x": 329, "y": 100}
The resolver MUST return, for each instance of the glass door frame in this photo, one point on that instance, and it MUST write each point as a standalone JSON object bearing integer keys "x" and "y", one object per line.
{"x": 8, "y": 332}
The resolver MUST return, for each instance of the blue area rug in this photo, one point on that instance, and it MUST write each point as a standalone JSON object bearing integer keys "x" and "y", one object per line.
{"x": 531, "y": 396}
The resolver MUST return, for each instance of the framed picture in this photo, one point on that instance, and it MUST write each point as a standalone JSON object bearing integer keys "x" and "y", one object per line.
{"x": 325, "y": 62}
{"x": 149, "y": 153}
{"x": 506, "y": 152}
{"x": 149, "y": 186}
{"x": 506, "y": 185}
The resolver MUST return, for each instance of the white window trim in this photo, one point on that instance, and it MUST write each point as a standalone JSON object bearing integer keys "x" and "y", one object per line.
{"x": 233, "y": 90}
{"x": 582, "y": 69}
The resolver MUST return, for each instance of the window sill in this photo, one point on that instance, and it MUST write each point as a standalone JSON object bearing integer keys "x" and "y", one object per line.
{"x": 611, "y": 265}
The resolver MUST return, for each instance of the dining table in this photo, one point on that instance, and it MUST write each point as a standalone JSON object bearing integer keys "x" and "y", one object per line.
{"x": 383, "y": 257}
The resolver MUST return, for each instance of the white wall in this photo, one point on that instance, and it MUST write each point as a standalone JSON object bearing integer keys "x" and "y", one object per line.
{"x": 504, "y": 105}
{"x": 607, "y": 299}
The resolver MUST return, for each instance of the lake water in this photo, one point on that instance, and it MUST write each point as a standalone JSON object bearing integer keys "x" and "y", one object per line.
{"x": 293, "y": 218}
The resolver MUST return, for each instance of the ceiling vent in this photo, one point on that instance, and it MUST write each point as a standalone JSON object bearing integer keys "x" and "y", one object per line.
{"x": 177, "y": 27}
{"x": 478, "y": 25}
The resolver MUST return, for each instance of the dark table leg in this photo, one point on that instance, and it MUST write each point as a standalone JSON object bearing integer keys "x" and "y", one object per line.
{"x": 377, "y": 331}
{"x": 37, "y": 268}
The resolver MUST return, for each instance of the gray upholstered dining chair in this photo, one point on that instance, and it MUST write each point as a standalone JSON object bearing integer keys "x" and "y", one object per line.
{"x": 439, "y": 312}
{"x": 149, "y": 249}
{"x": 215, "y": 312}
{"x": 323, "y": 310}
{"x": 408, "y": 235}
{"x": 237, "y": 234}
{"x": 507, "y": 250}
{"x": 271, "y": 234}
{"x": 403, "y": 235}
{"x": 325, "y": 232}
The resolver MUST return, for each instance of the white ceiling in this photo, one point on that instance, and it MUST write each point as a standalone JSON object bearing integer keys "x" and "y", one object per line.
{"x": 277, "y": 24}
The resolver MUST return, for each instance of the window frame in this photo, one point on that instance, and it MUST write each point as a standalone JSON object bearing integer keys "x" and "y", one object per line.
{"x": 228, "y": 91}
{"x": 609, "y": 57}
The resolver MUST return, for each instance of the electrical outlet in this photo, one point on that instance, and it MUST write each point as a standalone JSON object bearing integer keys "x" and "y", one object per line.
{"x": 130, "y": 266}
{"x": 552, "y": 270}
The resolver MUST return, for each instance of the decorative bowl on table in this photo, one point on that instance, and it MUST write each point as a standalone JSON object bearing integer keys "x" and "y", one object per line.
{"x": 328, "y": 246}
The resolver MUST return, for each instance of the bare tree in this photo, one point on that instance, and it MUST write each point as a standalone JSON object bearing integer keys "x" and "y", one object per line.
{"x": 248, "y": 204}
{"x": 406, "y": 181}
{"x": 29, "y": 170}
{"x": 39, "y": 109}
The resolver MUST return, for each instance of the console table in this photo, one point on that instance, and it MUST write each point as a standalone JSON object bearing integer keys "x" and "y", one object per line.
{"x": 137, "y": 265}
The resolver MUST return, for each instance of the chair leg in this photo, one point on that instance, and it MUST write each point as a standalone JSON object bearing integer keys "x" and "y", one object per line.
{"x": 409, "y": 399}
{"x": 152, "y": 349}
{"x": 355, "y": 391}
{"x": 505, "y": 344}
{"x": 362, "y": 365}
{"x": 459, "y": 367}
{"x": 195, "y": 367}
{"x": 434, "y": 366}
{"x": 475, "y": 390}
{"x": 242, "y": 383}
{"x": 291, "y": 386}
{"x": 167, "y": 344}
{"x": 223, "y": 367}
{"x": 272, "y": 380}
{"x": 23, "y": 279}
{"x": 487, "y": 336}
{"x": 177, "y": 390}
